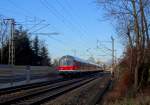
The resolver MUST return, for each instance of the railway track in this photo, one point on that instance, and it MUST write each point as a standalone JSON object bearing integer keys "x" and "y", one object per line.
{"x": 28, "y": 86}
{"x": 33, "y": 95}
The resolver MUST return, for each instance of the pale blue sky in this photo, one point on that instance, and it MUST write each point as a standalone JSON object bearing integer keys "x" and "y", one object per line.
{"x": 79, "y": 23}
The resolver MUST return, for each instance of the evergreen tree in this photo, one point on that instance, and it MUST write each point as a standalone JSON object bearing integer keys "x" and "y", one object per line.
{"x": 36, "y": 46}
{"x": 36, "y": 49}
{"x": 26, "y": 52}
{"x": 23, "y": 50}
{"x": 45, "y": 60}
{"x": 55, "y": 62}
{"x": 5, "y": 53}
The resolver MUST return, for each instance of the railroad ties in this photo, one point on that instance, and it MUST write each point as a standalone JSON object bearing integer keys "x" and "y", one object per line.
{"x": 39, "y": 93}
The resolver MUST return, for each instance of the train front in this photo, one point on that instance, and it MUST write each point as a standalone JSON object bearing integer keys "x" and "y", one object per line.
{"x": 66, "y": 66}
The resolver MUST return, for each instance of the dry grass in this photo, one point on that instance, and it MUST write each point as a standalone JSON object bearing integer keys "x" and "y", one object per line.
{"x": 131, "y": 101}
{"x": 119, "y": 95}
{"x": 141, "y": 99}
{"x": 120, "y": 88}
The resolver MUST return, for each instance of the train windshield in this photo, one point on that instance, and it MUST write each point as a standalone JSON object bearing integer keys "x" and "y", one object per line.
{"x": 66, "y": 62}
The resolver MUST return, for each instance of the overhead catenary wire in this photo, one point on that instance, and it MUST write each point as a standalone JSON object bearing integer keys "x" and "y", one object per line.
{"x": 16, "y": 6}
{"x": 75, "y": 24}
{"x": 82, "y": 26}
{"x": 53, "y": 11}
{"x": 58, "y": 15}
{"x": 40, "y": 28}
{"x": 23, "y": 13}
{"x": 72, "y": 17}
{"x": 2, "y": 16}
{"x": 74, "y": 21}
{"x": 36, "y": 24}
{"x": 76, "y": 15}
{"x": 26, "y": 13}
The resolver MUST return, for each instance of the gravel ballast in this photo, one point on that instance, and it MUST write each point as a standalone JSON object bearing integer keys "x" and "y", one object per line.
{"x": 82, "y": 95}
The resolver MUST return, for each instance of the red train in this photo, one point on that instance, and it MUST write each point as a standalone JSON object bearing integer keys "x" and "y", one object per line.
{"x": 69, "y": 65}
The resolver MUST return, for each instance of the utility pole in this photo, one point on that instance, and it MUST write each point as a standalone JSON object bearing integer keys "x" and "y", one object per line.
{"x": 11, "y": 51}
{"x": 88, "y": 50}
{"x": 1, "y": 35}
{"x": 11, "y": 57}
{"x": 74, "y": 51}
{"x": 113, "y": 56}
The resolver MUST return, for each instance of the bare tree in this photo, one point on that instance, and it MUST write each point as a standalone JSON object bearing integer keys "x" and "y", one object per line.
{"x": 3, "y": 37}
{"x": 133, "y": 25}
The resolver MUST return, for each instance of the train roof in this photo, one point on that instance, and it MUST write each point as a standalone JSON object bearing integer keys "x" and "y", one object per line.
{"x": 79, "y": 59}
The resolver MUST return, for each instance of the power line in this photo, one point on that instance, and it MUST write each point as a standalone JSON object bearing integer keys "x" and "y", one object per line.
{"x": 82, "y": 26}
{"x": 19, "y": 7}
{"x": 73, "y": 21}
{"x": 52, "y": 33}
{"x": 25, "y": 12}
{"x": 71, "y": 16}
{"x": 36, "y": 24}
{"x": 55, "y": 13}
{"x": 52, "y": 13}
{"x": 40, "y": 28}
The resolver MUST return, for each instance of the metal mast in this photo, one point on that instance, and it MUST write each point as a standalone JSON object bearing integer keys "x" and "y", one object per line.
{"x": 1, "y": 41}
{"x": 113, "y": 56}
{"x": 11, "y": 57}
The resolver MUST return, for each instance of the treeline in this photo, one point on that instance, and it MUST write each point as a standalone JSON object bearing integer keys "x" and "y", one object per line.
{"x": 28, "y": 51}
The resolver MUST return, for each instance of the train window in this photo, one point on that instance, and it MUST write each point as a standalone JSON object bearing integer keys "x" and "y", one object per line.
{"x": 66, "y": 62}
